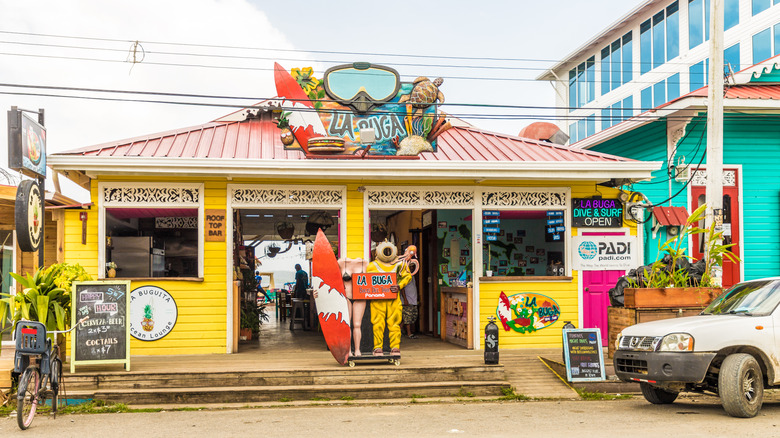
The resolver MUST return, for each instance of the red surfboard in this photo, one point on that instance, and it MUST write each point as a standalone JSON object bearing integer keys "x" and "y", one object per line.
{"x": 504, "y": 311}
{"x": 306, "y": 122}
{"x": 332, "y": 305}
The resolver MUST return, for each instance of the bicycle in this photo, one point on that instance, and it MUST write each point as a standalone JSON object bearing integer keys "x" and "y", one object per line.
{"x": 40, "y": 366}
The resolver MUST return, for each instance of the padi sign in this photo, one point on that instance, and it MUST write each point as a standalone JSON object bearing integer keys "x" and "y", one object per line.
{"x": 604, "y": 252}
{"x": 597, "y": 213}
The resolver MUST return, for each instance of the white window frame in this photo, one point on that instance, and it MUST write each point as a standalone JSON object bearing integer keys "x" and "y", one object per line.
{"x": 152, "y": 189}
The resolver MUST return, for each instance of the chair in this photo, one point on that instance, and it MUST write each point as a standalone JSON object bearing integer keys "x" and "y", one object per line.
{"x": 284, "y": 304}
{"x": 298, "y": 313}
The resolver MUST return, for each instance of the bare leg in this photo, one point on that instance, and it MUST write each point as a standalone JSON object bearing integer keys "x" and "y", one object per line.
{"x": 358, "y": 309}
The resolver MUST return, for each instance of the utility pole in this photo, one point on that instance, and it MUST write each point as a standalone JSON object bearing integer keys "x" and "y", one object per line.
{"x": 714, "y": 193}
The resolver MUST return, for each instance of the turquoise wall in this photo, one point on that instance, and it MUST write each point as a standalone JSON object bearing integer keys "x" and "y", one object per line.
{"x": 749, "y": 140}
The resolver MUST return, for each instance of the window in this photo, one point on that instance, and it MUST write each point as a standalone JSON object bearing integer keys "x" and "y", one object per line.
{"x": 731, "y": 14}
{"x": 582, "y": 83}
{"x": 616, "y": 64}
{"x": 541, "y": 246}
{"x": 573, "y": 133}
{"x": 660, "y": 92}
{"x": 762, "y": 45}
{"x": 731, "y": 58}
{"x": 628, "y": 107}
{"x": 645, "y": 47}
{"x": 762, "y": 5}
{"x": 617, "y": 113}
{"x": 698, "y": 77}
{"x": 590, "y": 125}
{"x": 659, "y": 38}
{"x": 606, "y": 118}
{"x": 647, "y": 98}
{"x": 151, "y": 232}
{"x": 672, "y": 87}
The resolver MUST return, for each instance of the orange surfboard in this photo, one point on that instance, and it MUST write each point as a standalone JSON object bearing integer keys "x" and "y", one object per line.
{"x": 332, "y": 304}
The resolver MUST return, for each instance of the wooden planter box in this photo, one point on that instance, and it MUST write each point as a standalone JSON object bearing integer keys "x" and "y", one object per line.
{"x": 621, "y": 317}
{"x": 245, "y": 334}
{"x": 670, "y": 297}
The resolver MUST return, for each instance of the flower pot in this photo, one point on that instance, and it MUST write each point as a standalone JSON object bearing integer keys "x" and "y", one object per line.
{"x": 111, "y": 273}
{"x": 245, "y": 334}
{"x": 670, "y": 297}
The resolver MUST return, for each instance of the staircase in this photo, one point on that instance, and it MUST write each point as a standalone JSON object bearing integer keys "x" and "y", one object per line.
{"x": 359, "y": 383}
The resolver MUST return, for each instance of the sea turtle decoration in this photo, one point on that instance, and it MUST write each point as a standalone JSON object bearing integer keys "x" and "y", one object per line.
{"x": 424, "y": 94}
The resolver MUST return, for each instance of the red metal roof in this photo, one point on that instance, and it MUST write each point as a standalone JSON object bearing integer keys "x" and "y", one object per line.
{"x": 259, "y": 139}
{"x": 674, "y": 216}
{"x": 747, "y": 91}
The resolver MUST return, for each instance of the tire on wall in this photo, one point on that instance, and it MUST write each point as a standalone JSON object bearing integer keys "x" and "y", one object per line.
{"x": 741, "y": 385}
{"x": 657, "y": 396}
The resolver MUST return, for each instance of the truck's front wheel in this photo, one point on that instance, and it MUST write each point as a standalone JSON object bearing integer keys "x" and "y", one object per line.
{"x": 741, "y": 385}
{"x": 657, "y": 396}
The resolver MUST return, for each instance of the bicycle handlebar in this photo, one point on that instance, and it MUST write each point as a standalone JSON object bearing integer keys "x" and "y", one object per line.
{"x": 70, "y": 329}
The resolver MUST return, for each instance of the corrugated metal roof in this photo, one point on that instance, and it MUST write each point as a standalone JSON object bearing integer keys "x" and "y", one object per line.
{"x": 747, "y": 91}
{"x": 258, "y": 138}
{"x": 674, "y": 216}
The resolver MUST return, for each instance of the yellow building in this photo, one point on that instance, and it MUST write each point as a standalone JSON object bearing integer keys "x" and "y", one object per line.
{"x": 182, "y": 178}
{"x": 196, "y": 201}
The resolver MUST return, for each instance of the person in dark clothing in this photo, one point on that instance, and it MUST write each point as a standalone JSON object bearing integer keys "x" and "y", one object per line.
{"x": 301, "y": 283}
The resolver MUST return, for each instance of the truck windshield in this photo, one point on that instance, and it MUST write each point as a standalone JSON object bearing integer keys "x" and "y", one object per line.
{"x": 753, "y": 298}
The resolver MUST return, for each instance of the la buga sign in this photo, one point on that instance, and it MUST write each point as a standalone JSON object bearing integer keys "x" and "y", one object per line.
{"x": 527, "y": 312}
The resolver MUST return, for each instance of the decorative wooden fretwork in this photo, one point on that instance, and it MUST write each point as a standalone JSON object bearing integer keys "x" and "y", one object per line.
{"x": 700, "y": 178}
{"x": 524, "y": 198}
{"x": 420, "y": 198}
{"x": 160, "y": 194}
{"x": 288, "y": 197}
{"x": 176, "y": 222}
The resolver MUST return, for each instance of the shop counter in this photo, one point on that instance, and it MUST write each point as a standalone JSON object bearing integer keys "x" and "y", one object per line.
{"x": 457, "y": 322}
{"x": 525, "y": 279}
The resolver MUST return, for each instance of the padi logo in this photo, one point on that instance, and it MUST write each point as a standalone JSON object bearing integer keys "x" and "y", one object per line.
{"x": 587, "y": 250}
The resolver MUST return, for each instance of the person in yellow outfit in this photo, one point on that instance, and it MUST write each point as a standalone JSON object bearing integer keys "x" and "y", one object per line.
{"x": 388, "y": 312}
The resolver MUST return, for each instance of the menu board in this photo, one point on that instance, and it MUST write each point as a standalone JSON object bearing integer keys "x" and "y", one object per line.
{"x": 104, "y": 337}
{"x": 583, "y": 355}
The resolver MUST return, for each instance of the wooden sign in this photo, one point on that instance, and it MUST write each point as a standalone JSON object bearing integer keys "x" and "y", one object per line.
{"x": 373, "y": 286}
{"x": 215, "y": 225}
{"x": 583, "y": 355}
{"x": 104, "y": 337}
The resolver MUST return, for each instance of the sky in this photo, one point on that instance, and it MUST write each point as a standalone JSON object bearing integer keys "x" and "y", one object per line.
{"x": 488, "y": 53}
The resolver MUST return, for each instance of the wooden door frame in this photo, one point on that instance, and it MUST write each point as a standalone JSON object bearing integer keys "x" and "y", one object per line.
{"x": 740, "y": 204}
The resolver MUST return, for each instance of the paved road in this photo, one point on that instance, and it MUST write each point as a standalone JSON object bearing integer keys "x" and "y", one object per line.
{"x": 635, "y": 418}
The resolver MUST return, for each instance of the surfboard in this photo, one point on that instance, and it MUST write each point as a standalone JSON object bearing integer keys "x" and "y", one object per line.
{"x": 331, "y": 301}
{"x": 504, "y": 311}
{"x": 304, "y": 123}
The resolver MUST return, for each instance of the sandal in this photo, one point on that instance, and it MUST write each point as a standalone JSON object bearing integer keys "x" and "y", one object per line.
{"x": 378, "y": 352}
{"x": 412, "y": 336}
{"x": 395, "y": 352}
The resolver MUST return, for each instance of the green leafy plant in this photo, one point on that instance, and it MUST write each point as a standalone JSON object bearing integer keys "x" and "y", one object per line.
{"x": 45, "y": 296}
{"x": 670, "y": 269}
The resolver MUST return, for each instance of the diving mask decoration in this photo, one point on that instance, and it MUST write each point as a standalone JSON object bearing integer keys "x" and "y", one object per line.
{"x": 361, "y": 86}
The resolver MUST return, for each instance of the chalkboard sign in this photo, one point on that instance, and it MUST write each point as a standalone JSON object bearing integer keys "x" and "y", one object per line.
{"x": 583, "y": 355}
{"x": 104, "y": 337}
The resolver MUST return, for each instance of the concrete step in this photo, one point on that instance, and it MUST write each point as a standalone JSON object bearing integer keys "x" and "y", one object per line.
{"x": 283, "y": 393}
{"x": 275, "y": 378}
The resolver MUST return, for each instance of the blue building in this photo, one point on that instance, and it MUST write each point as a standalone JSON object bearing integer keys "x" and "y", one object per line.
{"x": 652, "y": 55}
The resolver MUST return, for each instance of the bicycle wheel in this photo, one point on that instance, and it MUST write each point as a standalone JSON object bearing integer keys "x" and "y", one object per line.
{"x": 56, "y": 381}
{"x": 27, "y": 400}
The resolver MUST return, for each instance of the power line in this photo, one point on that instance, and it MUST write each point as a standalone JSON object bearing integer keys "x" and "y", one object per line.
{"x": 595, "y": 116}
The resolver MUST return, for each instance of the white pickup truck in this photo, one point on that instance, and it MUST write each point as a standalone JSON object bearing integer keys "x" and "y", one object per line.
{"x": 731, "y": 349}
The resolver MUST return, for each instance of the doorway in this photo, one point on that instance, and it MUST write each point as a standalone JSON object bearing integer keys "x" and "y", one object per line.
{"x": 595, "y": 294}
{"x": 731, "y": 228}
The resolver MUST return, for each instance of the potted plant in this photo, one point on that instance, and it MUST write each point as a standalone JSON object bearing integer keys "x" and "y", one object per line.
{"x": 110, "y": 269}
{"x": 668, "y": 282}
{"x": 45, "y": 297}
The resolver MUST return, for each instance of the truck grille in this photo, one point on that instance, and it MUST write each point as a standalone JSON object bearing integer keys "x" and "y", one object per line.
{"x": 639, "y": 343}
{"x": 634, "y": 366}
